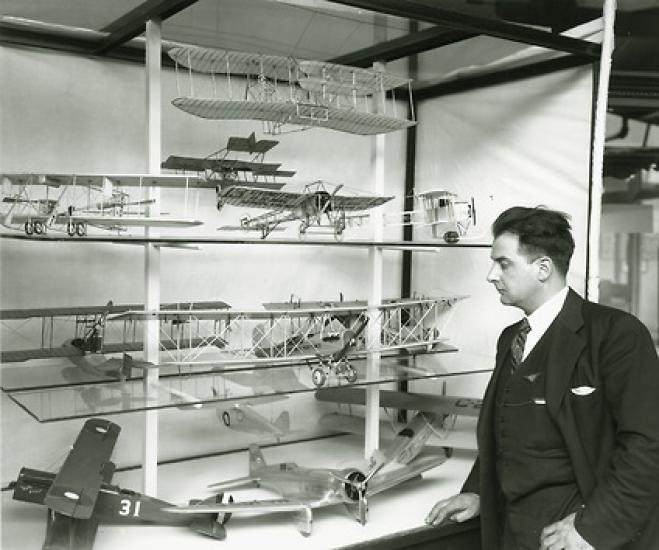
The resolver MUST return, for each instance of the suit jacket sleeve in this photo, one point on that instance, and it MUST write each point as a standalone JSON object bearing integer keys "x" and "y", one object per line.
{"x": 627, "y": 490}
{"x": 471, "y": 485}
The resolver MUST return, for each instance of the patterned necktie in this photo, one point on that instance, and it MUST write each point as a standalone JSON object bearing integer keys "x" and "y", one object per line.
{"x": 517, "y": 346}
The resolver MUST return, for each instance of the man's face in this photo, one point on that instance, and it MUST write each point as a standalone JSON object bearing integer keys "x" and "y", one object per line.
{"x": 513, "y": 274}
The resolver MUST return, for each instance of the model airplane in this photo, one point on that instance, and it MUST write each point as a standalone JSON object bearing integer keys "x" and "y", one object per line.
{"x": 303, "y": 489}
{"x": 448, "y": 217}
{"x": 446, "y": 408}
{"x": 281, "y": 90}
{"x": 325, "y": 339}
{"x": 36, "y": 215}
{"x": 89, "y": 341}
{"x": 224, "y": 172}
{"x": 319, "y": 205}
{"x": 79, "y": 497}
{"x": 242, "y": 416}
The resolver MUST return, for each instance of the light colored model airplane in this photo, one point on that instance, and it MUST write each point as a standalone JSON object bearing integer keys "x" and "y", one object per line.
{"x": 224, "y": 171}
{"x": 80, "y": 497}
{"x": 448, "y": 216}
{"x": 319, "y": 205}
{"x": 283, "y": 91}
{"x": 303, "y": 489}
{"x": 110, "y": 211}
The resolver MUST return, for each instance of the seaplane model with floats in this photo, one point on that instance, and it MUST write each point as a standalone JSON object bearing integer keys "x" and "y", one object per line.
{"x": 80, "y": 496}
{"x": 282, "y": 91}
{"x": 224, "y": 171}
{"x": 319, "y": 205}
{"x": 105, "y": 205}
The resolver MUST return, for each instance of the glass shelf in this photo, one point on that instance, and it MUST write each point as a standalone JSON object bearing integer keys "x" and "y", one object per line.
{"x": 191, "y": 389}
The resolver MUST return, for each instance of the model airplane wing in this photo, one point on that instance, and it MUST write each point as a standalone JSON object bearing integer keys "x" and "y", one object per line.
{"x": 440, "y": 404}
{"x": 256, "y": 506}
{"x": 260, "y": 198}
{"x": 359, "y": 202}
{"x": 388, "y": 479}
{"x": 99, "y": 180}
{"x": 127, "y": 221}
{"x": 75, "y": 488}
{"x": 340, "y": 119}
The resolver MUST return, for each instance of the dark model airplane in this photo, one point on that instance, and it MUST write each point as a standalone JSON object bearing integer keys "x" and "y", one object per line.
{"x": 79, "y": 497}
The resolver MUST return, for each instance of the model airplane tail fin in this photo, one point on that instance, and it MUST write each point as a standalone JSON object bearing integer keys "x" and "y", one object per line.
{"x": 256, "y": 460}
{"x": 283, "y": 422}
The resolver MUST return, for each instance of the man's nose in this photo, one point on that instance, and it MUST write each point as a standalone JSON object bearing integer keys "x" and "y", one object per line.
{"x": 492, "y": 274}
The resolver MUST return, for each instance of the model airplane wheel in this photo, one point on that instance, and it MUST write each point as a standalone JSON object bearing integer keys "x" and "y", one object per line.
{"x": 71, "y": 229}
{"x": 81, "y": 229}
{"x": 451, "y": 237}
{"x": 38, "y": 228}
{"x": 350, "y": 374}
{"x": 302, "y": 231}
{"x": 318, "y": 377}
{"x": 29, "y": 228}
{"x": 226, "y": 419}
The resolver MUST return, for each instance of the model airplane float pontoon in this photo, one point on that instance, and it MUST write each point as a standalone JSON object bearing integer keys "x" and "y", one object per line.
{"x": 80, "y": 497}
{"x": 104, "y": 204}
{"x": 282, "y": 91}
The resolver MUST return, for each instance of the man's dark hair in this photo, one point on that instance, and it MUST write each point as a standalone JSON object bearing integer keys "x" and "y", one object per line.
{"x": 541, "y": 232}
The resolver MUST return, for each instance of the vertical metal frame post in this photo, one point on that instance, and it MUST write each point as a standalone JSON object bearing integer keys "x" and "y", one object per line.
{"x": 374, "y": 329}
{"x": 152, "y": 256}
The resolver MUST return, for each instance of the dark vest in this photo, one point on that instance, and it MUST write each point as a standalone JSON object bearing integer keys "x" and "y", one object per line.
{"x": 533, "y": 466}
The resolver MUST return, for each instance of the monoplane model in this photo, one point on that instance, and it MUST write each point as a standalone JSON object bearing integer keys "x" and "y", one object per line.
{"x": 448, "y": 216}
{"x": 303, "y": 489}
{"x": 319, "y": 205}
{"x": 283, "y": 91}
{"x": 221, "y": 169}
{"x": 104, "y": 206}
{"x": 80, "y": 497}
{"x": 447, "y": 409}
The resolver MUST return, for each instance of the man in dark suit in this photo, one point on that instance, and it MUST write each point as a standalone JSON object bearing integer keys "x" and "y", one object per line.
{"x": 568, "y": 435}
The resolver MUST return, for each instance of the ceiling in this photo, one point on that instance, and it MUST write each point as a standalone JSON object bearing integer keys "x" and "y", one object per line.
{"x": 352, "y": 32}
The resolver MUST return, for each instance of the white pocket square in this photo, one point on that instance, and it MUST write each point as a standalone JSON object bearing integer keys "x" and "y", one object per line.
{"x": 582, "y": 390}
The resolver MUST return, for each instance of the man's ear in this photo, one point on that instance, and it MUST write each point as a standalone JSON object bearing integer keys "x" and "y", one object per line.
{"x": 545, "y": 268}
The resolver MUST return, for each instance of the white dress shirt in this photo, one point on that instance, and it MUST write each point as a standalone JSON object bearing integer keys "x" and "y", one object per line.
{"x": 542, "y": 317}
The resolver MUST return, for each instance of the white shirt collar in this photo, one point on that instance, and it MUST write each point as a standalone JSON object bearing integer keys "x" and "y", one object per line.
{"x": 542, "y": 317}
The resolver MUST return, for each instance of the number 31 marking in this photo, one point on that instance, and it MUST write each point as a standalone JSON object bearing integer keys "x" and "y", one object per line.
{"x": 126, "y": 505}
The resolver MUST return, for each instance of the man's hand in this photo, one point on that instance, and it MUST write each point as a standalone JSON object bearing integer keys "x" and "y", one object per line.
{"x": 457, "y": 508}
{"x": 562, "y": 535}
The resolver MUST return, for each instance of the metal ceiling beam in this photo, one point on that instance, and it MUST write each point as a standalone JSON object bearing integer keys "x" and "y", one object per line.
{"x": 397, "y": 48}
{"x": 492, "y": 27}
{"x": 132, "y": 23}
{"x": 500, "y": 77}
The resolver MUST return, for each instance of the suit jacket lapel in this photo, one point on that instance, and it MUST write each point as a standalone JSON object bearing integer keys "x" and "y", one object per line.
{"x": 565, "y": 347}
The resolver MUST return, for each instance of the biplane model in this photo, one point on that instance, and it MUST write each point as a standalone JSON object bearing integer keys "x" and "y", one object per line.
{"x": 448, "y": 216}
{"x": 224, "y": 171}
{"x": 282, "y": 91}
{"x": 319, "y": 205}
{"x": 324, "y": 339}
{"x": 303, "y": 489}
{"x": 80, "y": 497}
{"x": 105, "y": 205}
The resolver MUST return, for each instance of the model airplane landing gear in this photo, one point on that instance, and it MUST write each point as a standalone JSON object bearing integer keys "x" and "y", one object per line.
{"x": 318, "y": 376}
{"x": 346, "y": 370}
